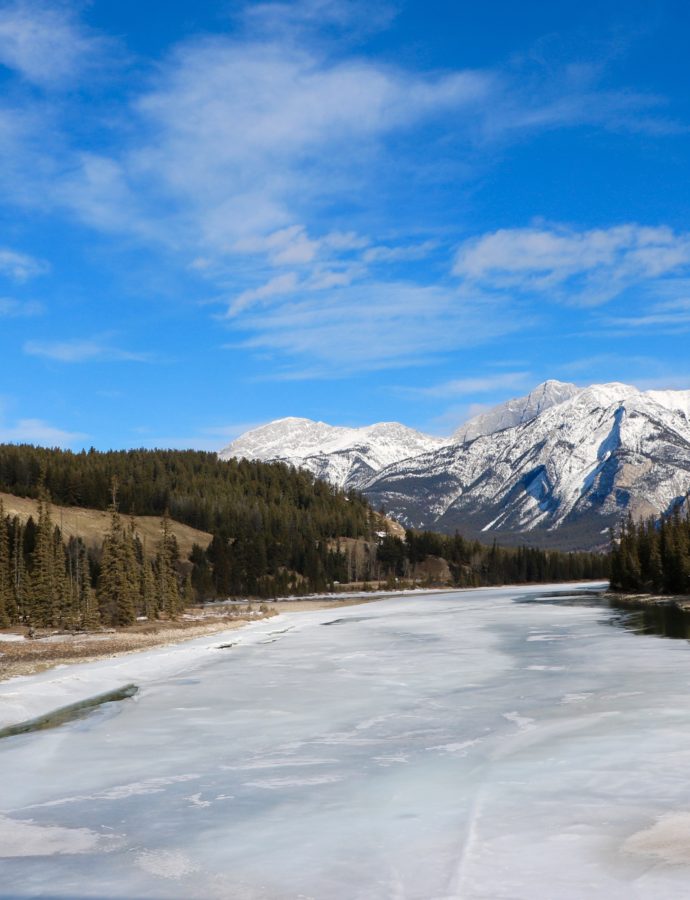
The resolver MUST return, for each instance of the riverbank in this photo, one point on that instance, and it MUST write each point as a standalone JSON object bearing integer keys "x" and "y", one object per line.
{"x": 23, "y": 655}
{"x": 644, "y": 601}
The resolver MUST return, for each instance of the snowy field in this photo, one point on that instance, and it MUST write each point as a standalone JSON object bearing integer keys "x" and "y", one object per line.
{"x": 450, "y": 746}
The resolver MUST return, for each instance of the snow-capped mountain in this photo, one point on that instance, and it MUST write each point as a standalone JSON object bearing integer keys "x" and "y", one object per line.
{"x": 561, "y": 464}
{"x": 565, "y": 475}
{"x": 517, "y": 411}
{"x": 346, "y": 457}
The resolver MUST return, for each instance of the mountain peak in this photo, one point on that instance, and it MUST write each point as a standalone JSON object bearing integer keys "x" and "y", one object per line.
{"x": 343, "y": 455}
{"x": 516, "y": 411}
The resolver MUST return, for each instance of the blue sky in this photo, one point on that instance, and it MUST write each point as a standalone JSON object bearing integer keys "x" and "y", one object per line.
{"x": 217, "y": 214}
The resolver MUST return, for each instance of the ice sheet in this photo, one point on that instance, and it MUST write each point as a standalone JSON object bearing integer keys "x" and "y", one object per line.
{"x": 424, "y": 748}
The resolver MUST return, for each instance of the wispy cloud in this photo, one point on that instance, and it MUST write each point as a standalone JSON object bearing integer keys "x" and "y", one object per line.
{"x": 234, "y": 149}
{"x": 585, "y": 268}
{"x": 353, "y": 18}
{"x": 213, "y": 438}
{"x": 45, "y": 43}
{"x": 375, "y": 326}
{"x": 404, "y": 252}
{"x": 20, "y": 266}
{"x": 80, "y": 350}
{"x": 662, "y": 316}
{"x": 276, "y": 287}
{"x": 37, "y": 431}
{"x": 480, "y": 384}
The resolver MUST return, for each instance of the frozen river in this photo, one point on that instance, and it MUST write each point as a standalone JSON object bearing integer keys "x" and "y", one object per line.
{"x": 468, "y": 745}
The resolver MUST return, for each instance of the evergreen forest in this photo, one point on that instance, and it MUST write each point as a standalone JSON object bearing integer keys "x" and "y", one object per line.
{"x": 652, "y": 556}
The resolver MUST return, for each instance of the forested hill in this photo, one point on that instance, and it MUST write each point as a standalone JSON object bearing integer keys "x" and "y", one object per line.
{"x": 196, "y": 488}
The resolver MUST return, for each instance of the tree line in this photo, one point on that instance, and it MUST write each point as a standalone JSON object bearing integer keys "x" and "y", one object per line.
{"x": 652, "y": 556}
{"x": 473, "y": 564}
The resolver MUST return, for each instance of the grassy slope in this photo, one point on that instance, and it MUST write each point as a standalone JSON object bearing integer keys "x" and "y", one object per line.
{"x": 92, "y": 524}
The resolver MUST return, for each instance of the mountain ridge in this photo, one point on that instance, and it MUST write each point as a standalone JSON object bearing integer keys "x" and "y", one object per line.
{"x": 559, "y": 466}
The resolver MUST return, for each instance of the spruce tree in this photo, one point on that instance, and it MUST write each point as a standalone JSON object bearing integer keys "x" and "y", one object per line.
{"x": 21, "y": 584}
{"x": 88, "y": 606}
{"x": 46, "y": 575}
{"x": 169, "y": 600}
{"x": 118, "y": 585}
{"x": 149, "y": 600}
{"x": 6, "y": 598}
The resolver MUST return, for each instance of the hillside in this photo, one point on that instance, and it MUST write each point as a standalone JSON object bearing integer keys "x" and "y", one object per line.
{"x": 91, "y": 525}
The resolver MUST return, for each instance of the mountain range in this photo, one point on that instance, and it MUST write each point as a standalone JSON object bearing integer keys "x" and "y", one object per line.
{"x": 557, "y": 467}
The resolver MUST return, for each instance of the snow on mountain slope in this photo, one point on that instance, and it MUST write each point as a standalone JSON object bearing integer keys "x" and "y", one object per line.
{"x": 344, "y": 456}
{"x": 516, "y": 411}
{"x": 675, "y": 400}
{"x": 574, "y": 468}
{"x": 562, "y": 463}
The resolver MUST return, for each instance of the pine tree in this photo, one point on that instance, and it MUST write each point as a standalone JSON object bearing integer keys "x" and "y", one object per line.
{"x": 149, "y": 600}
{"x": 47, "y": 574}
{"x": 188, "y": 596}
{"x": 169, "y": 600}
{"x": 88, "y": 606}
{"x": 6, "y": 598}
{"x": 21, "y": 583}
{"x": 118, "y": 586}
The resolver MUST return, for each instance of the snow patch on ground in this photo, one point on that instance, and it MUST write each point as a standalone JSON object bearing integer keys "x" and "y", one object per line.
{"x": 166, "y": 863}
{"x": 272, "y": 784}
{"x": 522, "y": 722}
{"x": 26, "y": 838}
{"x": 668, "y": 840}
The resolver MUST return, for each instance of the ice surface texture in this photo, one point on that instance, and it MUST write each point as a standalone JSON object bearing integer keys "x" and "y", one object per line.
{"x": 453, "y": 746}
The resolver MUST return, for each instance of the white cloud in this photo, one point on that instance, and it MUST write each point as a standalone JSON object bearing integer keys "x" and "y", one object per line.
{"x": 344, "y": 240}
{"x": 287, "y": 246}
{"x": 212, "y": 439}
{"x": 242, "y": 134}
{"x": 81, "y": 350}
{"x": 581, "y": 267}
{"x": 326, "y": 279}
{"x": 479, "y": 384}
{"x": 398, "y": 254}
{"x": 20, "y": 266}
{"x": 668, "y": 315}
{"x": 278, "y": 286}
{"x": 44, "y": 43}
{"x": 379, "y": 325}
{"x": 37, "y": 431}
{"x": 352, "y": 17}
